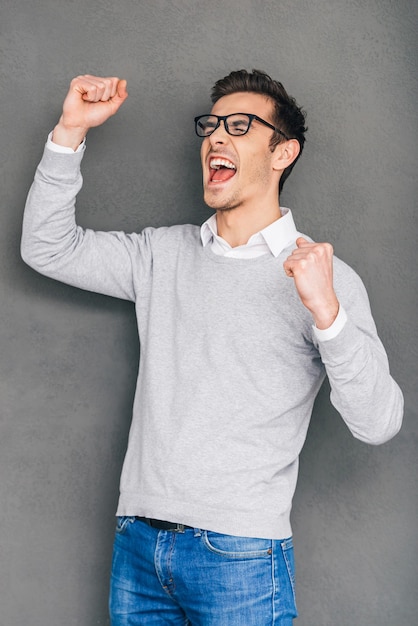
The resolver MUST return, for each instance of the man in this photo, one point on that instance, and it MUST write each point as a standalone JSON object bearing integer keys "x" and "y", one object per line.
{"x": 239, "y": 322}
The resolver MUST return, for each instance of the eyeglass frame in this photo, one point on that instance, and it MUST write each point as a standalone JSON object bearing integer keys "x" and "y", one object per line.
{"x": 224, "y": 118}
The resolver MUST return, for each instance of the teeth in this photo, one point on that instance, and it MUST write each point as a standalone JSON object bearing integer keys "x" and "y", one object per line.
{"x": 218, "y": 163}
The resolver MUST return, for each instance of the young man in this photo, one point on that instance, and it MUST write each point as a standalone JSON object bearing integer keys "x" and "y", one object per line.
{"x": 239, "y": 322}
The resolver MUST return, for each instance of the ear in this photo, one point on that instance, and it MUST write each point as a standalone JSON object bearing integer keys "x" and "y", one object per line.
{"x": 285, "y": 153}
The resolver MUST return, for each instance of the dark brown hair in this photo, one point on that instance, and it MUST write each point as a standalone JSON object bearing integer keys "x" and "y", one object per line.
{"x": 287, "y": 116}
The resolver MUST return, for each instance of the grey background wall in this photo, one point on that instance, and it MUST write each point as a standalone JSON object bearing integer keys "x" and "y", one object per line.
{"x": 68, "y": 359}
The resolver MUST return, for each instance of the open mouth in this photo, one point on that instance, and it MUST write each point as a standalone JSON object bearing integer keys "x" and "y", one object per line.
{"x": 221, "y": 170}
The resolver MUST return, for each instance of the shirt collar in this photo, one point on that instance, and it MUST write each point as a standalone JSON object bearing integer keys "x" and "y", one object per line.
{"x": 277, "y": 235}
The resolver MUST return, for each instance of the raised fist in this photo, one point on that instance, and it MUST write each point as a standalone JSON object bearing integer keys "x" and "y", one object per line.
{"x": 90, "y": 101}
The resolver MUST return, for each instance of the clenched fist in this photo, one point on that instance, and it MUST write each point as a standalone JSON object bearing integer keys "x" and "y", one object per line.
{"x": 90, "y": 101}
{"x": 311, "y": 267}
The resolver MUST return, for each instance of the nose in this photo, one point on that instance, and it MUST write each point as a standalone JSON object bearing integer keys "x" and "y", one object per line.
{"x": 219, "y": 135}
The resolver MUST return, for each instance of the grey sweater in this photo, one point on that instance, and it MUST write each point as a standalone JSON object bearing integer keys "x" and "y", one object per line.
{"x": 230, "y": 365}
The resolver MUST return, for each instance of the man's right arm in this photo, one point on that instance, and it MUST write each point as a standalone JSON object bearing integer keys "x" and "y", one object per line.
{"x": 52, "y": 242}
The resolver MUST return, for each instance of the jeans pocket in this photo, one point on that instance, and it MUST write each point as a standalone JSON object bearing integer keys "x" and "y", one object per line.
{"x": 234, "y": 547}
{"x": 122, "y": 523}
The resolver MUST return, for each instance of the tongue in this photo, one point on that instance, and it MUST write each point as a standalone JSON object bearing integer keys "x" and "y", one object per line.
{"x": 224, "y": 173}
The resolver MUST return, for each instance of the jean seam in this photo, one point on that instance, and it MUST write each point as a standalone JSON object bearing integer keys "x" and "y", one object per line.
{"x": 289, "y": 568}
{"x": 274, "y": 586}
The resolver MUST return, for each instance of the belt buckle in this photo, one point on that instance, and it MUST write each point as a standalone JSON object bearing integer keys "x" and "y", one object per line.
{"x": 179, "y": 528}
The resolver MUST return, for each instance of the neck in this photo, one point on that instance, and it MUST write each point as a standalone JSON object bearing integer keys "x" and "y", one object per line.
{"x": 236, "y": 226}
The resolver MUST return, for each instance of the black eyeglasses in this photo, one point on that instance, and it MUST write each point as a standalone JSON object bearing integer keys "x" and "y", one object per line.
{"x": 235, "y": 124}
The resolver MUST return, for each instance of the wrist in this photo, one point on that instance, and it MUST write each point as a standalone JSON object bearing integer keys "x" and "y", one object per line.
{"x": 325, "y": 316}
{"x": 68, "y": 136}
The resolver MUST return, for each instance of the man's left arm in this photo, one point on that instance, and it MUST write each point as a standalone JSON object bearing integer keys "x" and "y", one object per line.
{"x": 362, "y": 389}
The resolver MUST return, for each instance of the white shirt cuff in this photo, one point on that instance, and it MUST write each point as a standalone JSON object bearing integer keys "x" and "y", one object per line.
{"x": 63, "y": 149}
{"x": 335, "y": 328}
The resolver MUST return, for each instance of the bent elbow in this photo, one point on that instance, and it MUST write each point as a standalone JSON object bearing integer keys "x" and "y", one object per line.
{"x": 35, "y": 255}
{"x": 28, "y": 256}
{"x": 387, "y": 426}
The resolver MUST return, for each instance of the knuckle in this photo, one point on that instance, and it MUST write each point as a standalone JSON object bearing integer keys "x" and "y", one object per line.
{"x": 324, "y": 249}
{"x": 327, "y": 247}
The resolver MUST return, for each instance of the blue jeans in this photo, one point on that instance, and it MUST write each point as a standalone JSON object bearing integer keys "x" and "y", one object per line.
{"x": 199, "y": 578}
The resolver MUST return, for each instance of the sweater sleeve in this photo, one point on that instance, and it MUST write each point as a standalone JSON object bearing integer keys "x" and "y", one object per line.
{"x": 362, "y": 389}
{"x": 53, "y": 244}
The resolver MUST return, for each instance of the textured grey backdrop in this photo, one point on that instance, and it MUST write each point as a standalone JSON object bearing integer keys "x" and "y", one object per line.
{"x": 68, "y": 359}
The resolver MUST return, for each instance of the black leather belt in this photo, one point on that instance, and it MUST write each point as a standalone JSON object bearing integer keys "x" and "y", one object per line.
{"x": 161, "y": 525}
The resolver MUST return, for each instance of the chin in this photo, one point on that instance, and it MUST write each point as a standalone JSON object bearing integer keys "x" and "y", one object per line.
{"x": 217, "y": 206}
{"x": 220, "y": 204}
